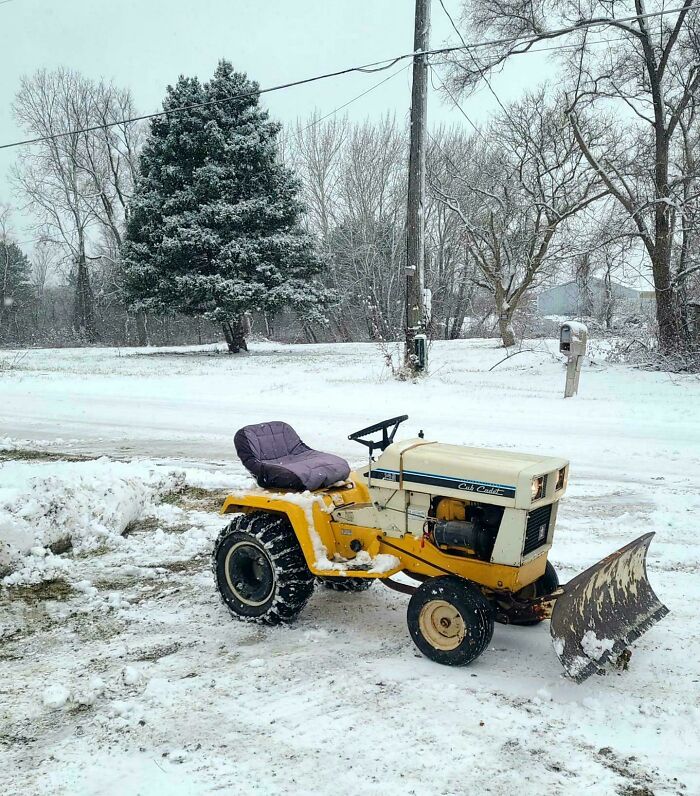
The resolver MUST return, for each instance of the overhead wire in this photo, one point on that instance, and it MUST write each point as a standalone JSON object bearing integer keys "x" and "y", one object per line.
{"x": 375, "y": 66}
{"x": 354, "y": 99}
{"x": 547, "y": 49}
{"x": 209, "y": 103}
{"x": 308, "y": 127}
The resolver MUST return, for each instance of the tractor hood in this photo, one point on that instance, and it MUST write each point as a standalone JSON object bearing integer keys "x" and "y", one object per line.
{"x": 492, "y": 476}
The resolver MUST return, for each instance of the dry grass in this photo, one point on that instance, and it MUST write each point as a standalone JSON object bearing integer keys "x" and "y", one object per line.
{"x": 194, "y": 497}
{"x": 194, "y": 564}
{"x": 27, "y": 455}
{"x": 57, "y": 589}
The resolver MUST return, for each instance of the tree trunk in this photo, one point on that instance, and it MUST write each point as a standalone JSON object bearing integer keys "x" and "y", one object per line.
{"x": 505, "y": 317}
{"x": 342, "y": 333}
{"x": 608, "y": 301}
{"x": 268, "y": 326}
{"x": 309, "y": 333}
{"x": 142, "y": 327}
{"x": 459, "y": 309}
{"x": 84, "y": 314}
{"x": 673, "y": 337}
{"x": 5, "y": 300}
{"x": 234, "y": 334}
{"x": 505, "y": 327}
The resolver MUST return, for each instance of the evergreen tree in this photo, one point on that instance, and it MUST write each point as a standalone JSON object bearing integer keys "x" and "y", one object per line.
{"x": 214, "y": 225}
{"x": 16, "y": 291}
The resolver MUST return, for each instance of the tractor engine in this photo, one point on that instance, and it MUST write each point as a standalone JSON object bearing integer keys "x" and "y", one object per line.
{"x": 466, "y": 528}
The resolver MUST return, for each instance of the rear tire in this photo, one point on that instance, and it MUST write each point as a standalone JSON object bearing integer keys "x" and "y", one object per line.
{"x": 450, "y": 620}
{"x": 346, "y": 584}
{"x": 545, "y": 584}
{"x": 260, "y": 570}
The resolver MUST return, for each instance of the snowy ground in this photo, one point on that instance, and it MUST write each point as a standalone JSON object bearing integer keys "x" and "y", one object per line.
{"x": 124, "y": 675}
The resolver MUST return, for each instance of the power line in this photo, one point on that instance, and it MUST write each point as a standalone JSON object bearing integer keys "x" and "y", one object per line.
{"x": 368, "y": 68}
{"x": 549, "y": 49}
{"x": 354, "y": 99}
{"x": 313, "y": 124}
{"x": 376, "y": 66}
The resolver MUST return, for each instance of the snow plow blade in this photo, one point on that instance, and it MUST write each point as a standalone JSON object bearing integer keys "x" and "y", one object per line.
{"x": 603, "y": 610}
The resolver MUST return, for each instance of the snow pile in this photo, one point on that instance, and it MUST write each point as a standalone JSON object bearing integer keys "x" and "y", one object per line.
{"x": 78, "y": 504}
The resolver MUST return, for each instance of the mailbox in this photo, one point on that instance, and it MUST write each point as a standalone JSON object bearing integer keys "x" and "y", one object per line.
{"x": 573, "y": 337}
{"x": 420, "y": 352}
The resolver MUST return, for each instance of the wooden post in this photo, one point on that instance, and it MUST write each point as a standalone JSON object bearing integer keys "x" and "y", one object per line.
{"x": 573, "y": 373}
{"x": 416, "y": 354}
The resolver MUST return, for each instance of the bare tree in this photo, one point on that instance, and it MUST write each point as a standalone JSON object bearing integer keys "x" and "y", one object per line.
{"x": 524, "y": 184}
{"x": 369, "y": 235}
{"x": 109, "y": 154}
{"x": 354, "y": 187}
{"x": 648, "y": 70}
{"x": 687, "y": 276}
{"x": 354, "y": 183}
{"x": 316, "y": 148}
{"x": 43, "y": 263}
{"x": 449, "y": 268}
{"x": 50, "y": 176}
{"x": 79, "y": 179}
{"x": 4, "y": 264}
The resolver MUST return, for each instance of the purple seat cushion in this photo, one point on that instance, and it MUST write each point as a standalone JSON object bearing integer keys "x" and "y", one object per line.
{"x": 275, "y": 455}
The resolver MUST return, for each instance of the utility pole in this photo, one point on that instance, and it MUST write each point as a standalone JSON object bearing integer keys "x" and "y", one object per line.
{"x": 416, "y": 347}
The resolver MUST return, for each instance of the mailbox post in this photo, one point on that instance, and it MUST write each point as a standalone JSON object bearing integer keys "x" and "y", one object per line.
{"x": 573, "y": 338}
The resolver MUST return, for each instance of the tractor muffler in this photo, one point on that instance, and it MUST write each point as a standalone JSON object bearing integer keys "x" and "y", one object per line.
{"x": 603, "y": 610}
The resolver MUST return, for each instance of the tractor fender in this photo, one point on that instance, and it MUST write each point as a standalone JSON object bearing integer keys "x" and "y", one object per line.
{"x": 308, "y": 514}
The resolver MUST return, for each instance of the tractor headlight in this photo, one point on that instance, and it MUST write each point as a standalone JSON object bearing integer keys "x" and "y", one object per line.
{"x": 537, "y": 488}
{"x": 561, "y": 477}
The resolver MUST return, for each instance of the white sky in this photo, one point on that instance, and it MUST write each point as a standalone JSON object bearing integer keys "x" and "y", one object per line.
{"x": 146, "y": 44}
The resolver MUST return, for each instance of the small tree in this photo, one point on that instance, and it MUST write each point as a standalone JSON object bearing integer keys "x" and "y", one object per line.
{"x": 77, "y": 181}
{"x": 16, "y": 293}
{"x": 214, "y": 225}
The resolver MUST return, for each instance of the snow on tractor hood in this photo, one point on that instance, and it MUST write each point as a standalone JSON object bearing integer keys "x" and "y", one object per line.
{"x": 504, "y": 478}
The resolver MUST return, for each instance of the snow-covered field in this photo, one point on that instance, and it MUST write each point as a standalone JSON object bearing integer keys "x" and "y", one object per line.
{"x": 123, "y": 674}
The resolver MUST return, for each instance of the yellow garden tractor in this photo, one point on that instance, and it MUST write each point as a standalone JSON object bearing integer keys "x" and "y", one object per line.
{"x": 469, "y": 529}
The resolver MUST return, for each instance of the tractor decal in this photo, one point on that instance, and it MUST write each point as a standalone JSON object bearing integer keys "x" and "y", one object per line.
{"x": 463, "y": 484}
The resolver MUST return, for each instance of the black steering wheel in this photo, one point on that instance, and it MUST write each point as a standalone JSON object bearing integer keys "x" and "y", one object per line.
{"x": 383, "y": 426}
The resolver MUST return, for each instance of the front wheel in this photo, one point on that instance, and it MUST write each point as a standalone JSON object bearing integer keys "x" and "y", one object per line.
{"x": 260, "y": 569}
{"x": 450, "y": 620}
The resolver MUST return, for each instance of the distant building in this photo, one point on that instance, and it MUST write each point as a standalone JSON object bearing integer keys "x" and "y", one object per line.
{"x": 571, "y": 299}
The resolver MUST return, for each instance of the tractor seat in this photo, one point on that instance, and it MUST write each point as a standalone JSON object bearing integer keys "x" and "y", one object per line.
{"x": 274, "y": 454}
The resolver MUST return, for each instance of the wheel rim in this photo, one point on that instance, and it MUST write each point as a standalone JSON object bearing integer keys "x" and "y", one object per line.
{"x": 249, "y": 573}
{"x": 442, "y": 625}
